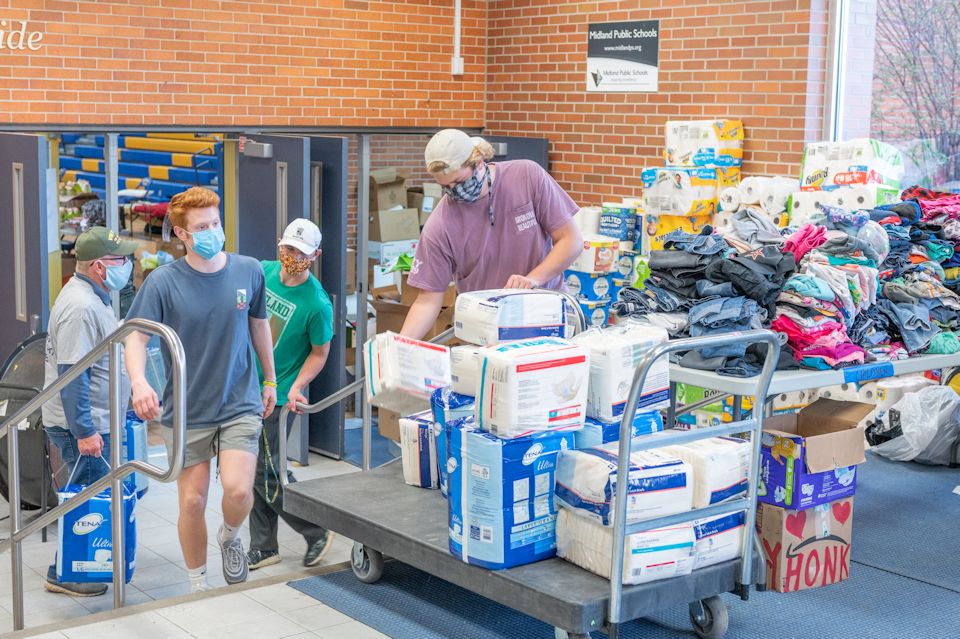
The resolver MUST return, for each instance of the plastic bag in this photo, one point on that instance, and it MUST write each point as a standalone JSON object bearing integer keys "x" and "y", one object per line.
{"x": 928, "y": 420}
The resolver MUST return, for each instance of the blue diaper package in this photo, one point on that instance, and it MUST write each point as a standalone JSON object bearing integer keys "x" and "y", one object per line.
{"x": 447, "y": 407}
{"x": 501, "y": 507}
{"x": 595, "y": 433}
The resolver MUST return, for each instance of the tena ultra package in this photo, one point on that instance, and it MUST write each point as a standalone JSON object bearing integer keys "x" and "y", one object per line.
{"x": 500, "y": 502}
{"x": 659, "y": 484}
{"x": 489, "y": 317}
{"x": 599, "y": 255}
{"x": 402, "y": 373}
{"x": 704, "y": 143}
{"x": 682, "y": 192}
{"x": 719, "y": 539}
{"x": 615, "y": 352}
{"x": 465, "y": 368}
{"x": 647, "y": 556}
{"x": 448, "y": 407}
{"x": 721, "y": 467}
{"x": 595, "y": 433}
{"x": 533, "y": 385}
{"x": 418, "y": 450}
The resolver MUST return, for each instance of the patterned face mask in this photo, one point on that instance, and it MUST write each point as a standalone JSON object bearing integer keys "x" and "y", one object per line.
{"x": 294, "y": 265}
{"x": 467, "y": 191}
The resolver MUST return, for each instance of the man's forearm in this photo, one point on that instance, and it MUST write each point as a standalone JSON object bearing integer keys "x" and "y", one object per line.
{"x": 557, "y": 260}
{"x": 263, "y": 347}
{"x": 310, "y": 369}
{"x": 135, "y": 357}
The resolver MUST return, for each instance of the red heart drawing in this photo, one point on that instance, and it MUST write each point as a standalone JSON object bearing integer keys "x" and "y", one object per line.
{"x": 841, "y": 511}
{"x": 796, "y": 522}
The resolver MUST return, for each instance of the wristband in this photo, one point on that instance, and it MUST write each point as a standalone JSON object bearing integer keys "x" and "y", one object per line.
{"x": 269, "y": 383}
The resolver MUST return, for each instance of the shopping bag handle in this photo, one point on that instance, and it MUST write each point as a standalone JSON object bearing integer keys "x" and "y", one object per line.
{"x": 77, "y": 463}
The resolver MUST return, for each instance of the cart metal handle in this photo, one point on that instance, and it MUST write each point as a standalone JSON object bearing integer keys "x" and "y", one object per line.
{"x": 626, "y": 445}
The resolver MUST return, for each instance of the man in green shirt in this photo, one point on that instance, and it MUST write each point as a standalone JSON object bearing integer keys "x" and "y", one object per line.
{"x": 301, "y": 321}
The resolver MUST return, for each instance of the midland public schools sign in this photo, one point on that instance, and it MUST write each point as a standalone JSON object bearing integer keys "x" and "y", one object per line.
{"x": 15, "y": 36}
{"x": 623, "y": 56}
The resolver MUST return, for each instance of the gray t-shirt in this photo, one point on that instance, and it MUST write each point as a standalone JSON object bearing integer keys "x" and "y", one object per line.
{"x": 78, "y": 322}
{"x": 210, "y": 313}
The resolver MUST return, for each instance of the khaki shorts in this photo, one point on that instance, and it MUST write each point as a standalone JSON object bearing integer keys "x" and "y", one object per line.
{"x": 203, "y": 444}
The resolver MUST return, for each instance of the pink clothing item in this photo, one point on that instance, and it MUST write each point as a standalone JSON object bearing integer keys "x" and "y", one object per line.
{"x": 828, "y": 334}
{"x": 945, "y": 206}
{"x": 459, "y": 244}
{"x": 806, "y": 238}
{"x": 848, "y": 353}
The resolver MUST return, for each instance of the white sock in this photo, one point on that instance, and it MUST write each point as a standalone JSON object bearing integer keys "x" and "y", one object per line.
{"x": 198, "y": 578}
{"x": 227, "y": 533}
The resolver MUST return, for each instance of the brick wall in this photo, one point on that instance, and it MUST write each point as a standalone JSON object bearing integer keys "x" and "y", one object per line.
{"x": 210, "y": 62}
{"x": 756, "y": 61}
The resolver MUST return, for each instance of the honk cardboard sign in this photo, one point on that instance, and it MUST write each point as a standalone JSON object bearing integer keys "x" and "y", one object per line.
{"x": 805, "y": 549}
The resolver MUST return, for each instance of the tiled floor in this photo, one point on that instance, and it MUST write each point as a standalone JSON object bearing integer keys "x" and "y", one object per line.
{"x": 161, "y": 574}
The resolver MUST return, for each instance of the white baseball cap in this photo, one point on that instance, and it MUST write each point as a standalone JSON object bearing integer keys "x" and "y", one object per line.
{"x": 453, "y": 147}
{"x": 303, "y": 235}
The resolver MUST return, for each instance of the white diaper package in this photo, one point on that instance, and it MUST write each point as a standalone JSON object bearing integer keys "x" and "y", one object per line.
{"x": 489, "y": 317}
{"x": 615, "y": 352}
{"x": 465, "y": 368}
{"x": 719, "y": 539}
{"x": 418, "y": 450}
{"x": 596, "y": 433}
{"x": 720, "y": 465}
{"x": 660, "y": 484}
{"x": 648, "y": 556}
{"x": 532, "y": 385}
{"x": 403, "y": 373}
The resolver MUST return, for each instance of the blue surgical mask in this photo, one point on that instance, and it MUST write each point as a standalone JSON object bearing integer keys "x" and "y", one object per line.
{"x": 208, "y": 242}
{"x": 467, "y": 191}
{"x": 118, "y": 276}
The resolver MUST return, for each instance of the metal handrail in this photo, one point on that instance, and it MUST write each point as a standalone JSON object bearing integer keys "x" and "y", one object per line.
{"x": 626, "y": 445}
{"x": 113, "y": 479}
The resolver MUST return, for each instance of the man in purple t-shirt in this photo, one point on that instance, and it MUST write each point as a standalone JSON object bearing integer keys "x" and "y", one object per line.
{"x": 504, "y": 225}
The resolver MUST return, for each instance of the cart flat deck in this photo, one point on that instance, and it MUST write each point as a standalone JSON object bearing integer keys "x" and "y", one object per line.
{"x": 410, "y": 524}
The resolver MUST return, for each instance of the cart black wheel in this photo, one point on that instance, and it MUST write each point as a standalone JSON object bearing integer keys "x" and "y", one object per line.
{"x": 714, "y": 621}
{"x": 366, "y": 563}
{"x": 563, "y": 634}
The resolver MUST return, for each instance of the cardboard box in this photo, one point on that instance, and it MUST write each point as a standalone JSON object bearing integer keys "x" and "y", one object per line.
{"x": 173, "y": 247}
{"x": 387, "y": 252}
{"x": 810, "y": 458}
{"x": 391, "y": 314}
{"x": 388, "y": 423}
{"x": 383, "y": 283}
{"x": 350, "y": 279}
{"x": 805, "y": 549}
{"x": 391, "y": 225}
{"x": 388, "y": 189}
{"x": 424, "y": 198}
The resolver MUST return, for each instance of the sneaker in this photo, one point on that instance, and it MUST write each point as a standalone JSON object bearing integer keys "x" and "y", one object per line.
{"x": 317, "y": 550}
{"x": 203, "y": 586}
{"x": 262, "y": 558}
{"x": 234, "y": 561}
{"x": 74, "y": 589}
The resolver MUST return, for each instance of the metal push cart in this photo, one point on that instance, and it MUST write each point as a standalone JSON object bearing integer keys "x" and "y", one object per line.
{"x": 386, "y": 517}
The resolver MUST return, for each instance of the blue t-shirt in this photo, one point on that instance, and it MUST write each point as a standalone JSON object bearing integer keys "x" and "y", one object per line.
{"x": 210, "y": 314}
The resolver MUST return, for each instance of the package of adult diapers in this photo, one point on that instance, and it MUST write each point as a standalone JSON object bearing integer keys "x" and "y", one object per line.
{"x": 721, "y": 467}
{"x": 704, "y": 143}
{"x": 829, "y": 165}
{"x": 719, "y": 539}
{"x": 448, "y": 407}
{"x": 533, "y": 385}
{"x": 615, "y": 352}
{"x": 596, "y": 433}
{"x": 659, "y": 484}
{"x": 683, "y": 192}
{"x": 418, "y": 450}
{"x": 500, "y": 496}
{"x": 489, "y": 317}
{"x": 403, "y": 373}
{"x": 600, "y": 254}
{"x": 647, "y": 556}
{"x": 465, "y": 368}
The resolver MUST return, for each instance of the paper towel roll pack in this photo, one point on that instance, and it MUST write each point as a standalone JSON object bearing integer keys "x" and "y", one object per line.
{"x": 828, "y": 165}
{"x": 489, "y": 317}
{"x": 587, "y": 220}
{"x": 720, "y": 465}
{"x": 708, "y": 143}
{"x": 719, "y": 539}
{"x": 682, "y": 192}
{"x": 775, "y": 194}
{"x": 599, "y": 255}
{"x": 648, "y": 556}
{"x": 403, "y": 373}
{"x": 533, "y": 385}
{"x": 619, "y": 221}
{"x": 659, "y": 484}
{"x": 803, "y": 206}
{"x": 615, "y": 353}
{"x": 448, "y": 408}
{"x": 863, "y": 196}
{"x": 465, "y": 368}
{"x": 500, "y": 502}
{"x": 418, "y": 450}
{"x": 596, "y": 433}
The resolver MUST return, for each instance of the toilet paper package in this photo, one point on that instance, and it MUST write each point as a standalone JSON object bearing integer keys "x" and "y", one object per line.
{"x": 596, "y": 433}
{"x": 599, "y": 255}
{"x": 465, "y": 368}
{"x": 590, "y": 286}
{"x": 624, "y": 268}
{"x": 597, "y": 312}
{"x": 709, "y": 143}
{"x": 829, "y": 165}
{"x": 587, "y": 220}
{"x": 489, "y": 317}
{"x": 891, "y": 391}
{"x": 728, "y": 177}
{"x": 449, "y": 408}
{"x": 803, "y": 206}
{"x": 615, "y": 353}
{"x": 647, "y": 556}
{"x": 863, "y": 196}
{"x": 720, "y": 466}
{"x": 533, "y": 385}
{"x": 418, "y": 450}
{"x": 500, "y": 502}
{"x": 659, "y": 226}
{"x": 641, "y": 243}
{"x": 619, "y": 221}
{"x": 719, "y": 539}
{"x": 659, "y": 484}
{"x": 403, "y": 373}
{"x": 775, "y": 194}
{"x": 683, "y": 192}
